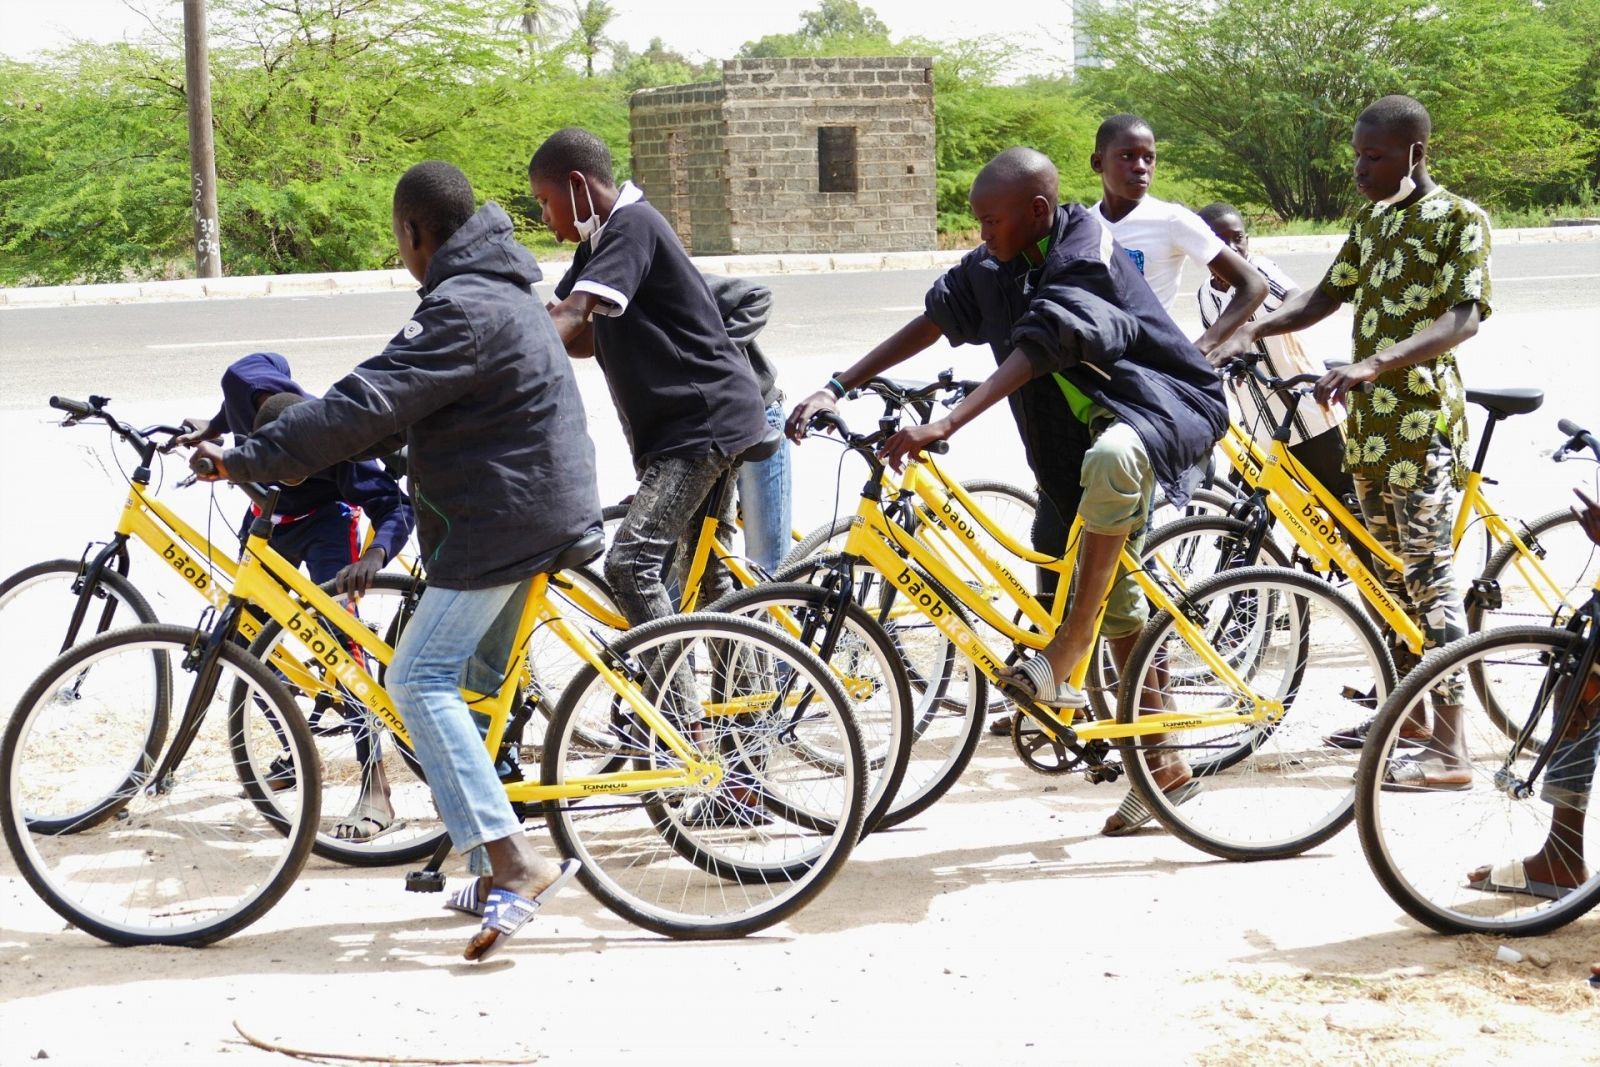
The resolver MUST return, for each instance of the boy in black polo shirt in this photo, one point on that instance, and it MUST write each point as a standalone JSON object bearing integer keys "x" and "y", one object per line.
{"x": 688, "y": 400}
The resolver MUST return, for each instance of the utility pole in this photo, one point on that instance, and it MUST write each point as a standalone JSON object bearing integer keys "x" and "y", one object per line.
{"x": 202, "y": 152}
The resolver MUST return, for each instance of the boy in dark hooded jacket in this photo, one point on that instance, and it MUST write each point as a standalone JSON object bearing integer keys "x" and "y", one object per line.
{"x": 502, "y": 469}
{"x": 1110, "y": 397}
{"x": 317, "y": 525}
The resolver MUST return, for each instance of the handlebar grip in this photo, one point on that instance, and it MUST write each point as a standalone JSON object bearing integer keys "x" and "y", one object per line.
{"x": 73, "y": 407}
{"x": 1570, "y": 428}
{"x": 938, "y": 448}
{"x": 202, "y": 466}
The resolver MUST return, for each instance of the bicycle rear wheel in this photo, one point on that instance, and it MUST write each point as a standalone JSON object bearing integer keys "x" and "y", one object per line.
{"x": 1183, "y": 552}
{"x": 189, "y": 857}
{"x": 362, "y": 763}
{"x": 866, "y": 664}
{"x": 729, "y": 858}
{"x": 1426, "y": 844}
{"x": 1268, "y": 788}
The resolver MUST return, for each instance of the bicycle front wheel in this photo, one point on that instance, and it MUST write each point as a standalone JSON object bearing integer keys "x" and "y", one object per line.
{"x": 1434, "y": 829}
{"x": 36, "y": 608}
{"x": 1515, "y": 590}
{"x": 1265, "y": 786}
{"x": 189, "y": 857}
{"x": 772, "y": 826}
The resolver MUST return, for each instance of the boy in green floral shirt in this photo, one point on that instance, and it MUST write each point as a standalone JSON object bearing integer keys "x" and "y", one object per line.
{"x": 1416, "y": 270}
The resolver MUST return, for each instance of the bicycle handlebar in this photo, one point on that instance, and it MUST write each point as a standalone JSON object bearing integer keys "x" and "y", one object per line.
{"x": 1578, "y": 439}
{"x": 1297, "y": 383}
{"x": 72, "y": 407}
{"x": 95, "y": 408}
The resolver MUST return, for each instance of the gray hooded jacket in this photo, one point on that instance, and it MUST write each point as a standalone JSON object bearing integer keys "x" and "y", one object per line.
{"x": 501, "y": 465}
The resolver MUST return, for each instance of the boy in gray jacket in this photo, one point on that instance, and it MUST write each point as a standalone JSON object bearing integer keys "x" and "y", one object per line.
{"x": 502, "y": 471}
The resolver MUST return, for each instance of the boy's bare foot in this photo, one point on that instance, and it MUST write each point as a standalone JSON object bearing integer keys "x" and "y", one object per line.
{"x": 519, "y": 869}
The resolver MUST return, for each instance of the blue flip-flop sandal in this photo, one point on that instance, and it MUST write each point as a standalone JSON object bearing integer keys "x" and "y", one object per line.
{"x": 506, "y": 912}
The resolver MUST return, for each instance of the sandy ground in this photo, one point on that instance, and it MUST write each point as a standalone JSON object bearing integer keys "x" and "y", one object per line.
{"x": 997, "y": 928}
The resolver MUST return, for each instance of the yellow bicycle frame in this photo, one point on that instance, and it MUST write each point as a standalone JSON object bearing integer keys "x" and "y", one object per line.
{"x": 1318, "y": 523}
{"x": 892, "y": 551}
{"x": 266, "y": 580}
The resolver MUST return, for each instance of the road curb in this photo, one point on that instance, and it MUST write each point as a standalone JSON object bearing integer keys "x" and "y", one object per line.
{"x": 375, "y": 281}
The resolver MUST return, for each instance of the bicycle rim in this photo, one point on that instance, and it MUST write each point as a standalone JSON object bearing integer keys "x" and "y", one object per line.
{"x": 188, "y": 858}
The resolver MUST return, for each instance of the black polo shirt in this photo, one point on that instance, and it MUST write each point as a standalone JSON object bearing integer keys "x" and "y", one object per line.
{"x": 680, "y": 385}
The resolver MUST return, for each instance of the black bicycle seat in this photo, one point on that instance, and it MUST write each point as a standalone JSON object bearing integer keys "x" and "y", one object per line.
{"x": 581, "y": 551}
{"x": 1503, "y": 403}
{"x": 765, "y": 448}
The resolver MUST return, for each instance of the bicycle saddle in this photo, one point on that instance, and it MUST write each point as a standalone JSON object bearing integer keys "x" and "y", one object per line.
{"x": 1503, "y": 403}
{"x": 765, "y": 448}
{"x": 581, "y": 551}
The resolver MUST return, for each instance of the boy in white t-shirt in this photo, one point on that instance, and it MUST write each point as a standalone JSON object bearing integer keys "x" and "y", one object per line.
{"x": 1160, "y": 235}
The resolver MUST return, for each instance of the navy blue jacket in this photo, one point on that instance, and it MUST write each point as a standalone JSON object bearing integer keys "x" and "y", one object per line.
{"x": 1089, "y": 315}
{"x": 498, "y": 449}
{"x": 361, "y": 484}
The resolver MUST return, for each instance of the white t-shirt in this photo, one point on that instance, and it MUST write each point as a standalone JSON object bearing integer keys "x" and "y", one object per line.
{"x": 1158, "y": 235}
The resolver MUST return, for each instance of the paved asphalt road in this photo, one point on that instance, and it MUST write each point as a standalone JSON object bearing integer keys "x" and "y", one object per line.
{"x": 821, "y": 322}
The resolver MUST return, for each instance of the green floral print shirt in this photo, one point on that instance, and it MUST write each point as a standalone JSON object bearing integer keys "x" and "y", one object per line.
{"x": 1401, "y": 270}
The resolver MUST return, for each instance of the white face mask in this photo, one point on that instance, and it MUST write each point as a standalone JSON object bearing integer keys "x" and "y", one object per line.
{"x": 589, "y": 227}
{"x": 1406, "y": 187}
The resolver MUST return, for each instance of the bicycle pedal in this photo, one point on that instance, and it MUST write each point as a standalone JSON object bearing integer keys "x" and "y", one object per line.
{"x": 425, "y": 881}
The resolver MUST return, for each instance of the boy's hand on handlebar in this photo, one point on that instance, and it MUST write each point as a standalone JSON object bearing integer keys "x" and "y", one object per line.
{"x": 206, "y": 462}
{"x": 800, "y": 418}
{"x": 1235, "y": 347}
{"x": 912, "y": 440}
{"x": 196, "y": 430}
{"x": 1333, "y": 386}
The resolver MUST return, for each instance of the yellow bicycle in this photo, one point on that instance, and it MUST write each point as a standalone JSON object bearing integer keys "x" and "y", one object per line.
{"x": 162, "y": 786}
{"x": 1536, "y": 572}
{"x": 1230, "y": 657}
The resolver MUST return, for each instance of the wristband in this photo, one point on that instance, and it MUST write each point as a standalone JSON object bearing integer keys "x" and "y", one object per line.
{"x": 836, "y": 387}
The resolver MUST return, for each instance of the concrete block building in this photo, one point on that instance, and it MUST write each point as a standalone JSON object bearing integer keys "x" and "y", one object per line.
{"x": 793, "y": 155}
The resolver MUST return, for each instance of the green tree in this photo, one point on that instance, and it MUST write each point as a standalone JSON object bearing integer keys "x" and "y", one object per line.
{"x": 1258, "y": 96}
{"x": 832, "y": 28}
{"x": 318, "y": 109}
{"x": 656, "y": 65}
{"x": 589, "y": 30}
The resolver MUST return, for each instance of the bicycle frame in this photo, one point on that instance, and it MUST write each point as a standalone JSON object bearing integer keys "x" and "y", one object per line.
{"x": 875, "y": 539}
{"x": 1321, "y": 526}
{"x": 261, "y": 579}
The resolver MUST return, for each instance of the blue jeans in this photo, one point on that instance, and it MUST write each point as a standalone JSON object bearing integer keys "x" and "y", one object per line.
{"x": 766, "y": 501}
{"x": 424, "y": 681}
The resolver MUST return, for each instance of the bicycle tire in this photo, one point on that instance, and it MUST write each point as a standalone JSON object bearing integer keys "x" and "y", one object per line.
{"x": 1497, "y": 824}
{"x": 934, "y": 766}
{"x": 1104, "y": 678}
{"x": 1499, "y": 570}
{"x": 123, "y": 591}
{"x": 887, "y": 771}
{"x": 196, "y": 812}
{"x": 336, "y": 747}
{"x": 1312, "y": 777}
{"x": 795, "y": 879}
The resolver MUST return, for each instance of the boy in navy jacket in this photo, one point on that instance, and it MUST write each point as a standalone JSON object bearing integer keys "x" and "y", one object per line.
{"x": 1110, "y": 397}
{"x": 317, "y": 525}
